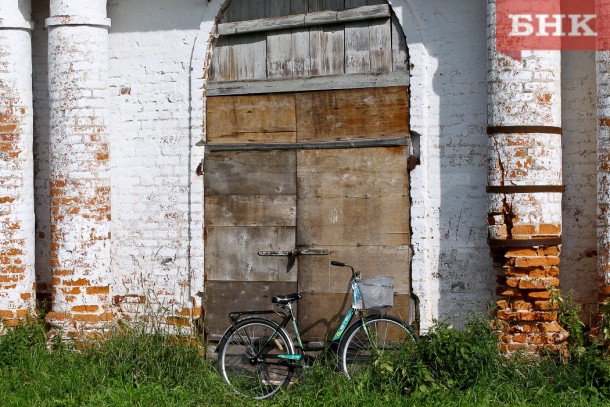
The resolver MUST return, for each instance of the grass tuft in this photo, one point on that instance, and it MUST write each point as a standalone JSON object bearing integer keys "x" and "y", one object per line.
{"x": 448, "y": 367}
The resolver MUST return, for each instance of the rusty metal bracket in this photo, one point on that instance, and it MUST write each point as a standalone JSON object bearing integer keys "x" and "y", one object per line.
{"x": 524, "y": 189}
{"x": 547, "y": 241}
{"x": 491, "y": 130}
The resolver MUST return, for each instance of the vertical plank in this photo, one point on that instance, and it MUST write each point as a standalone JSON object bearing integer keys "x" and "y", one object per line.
{"x": 357, "y": 48}
{"x": 280, "y": 63}
{"x": 221, "y": 60}
{"x": 327, "y": 50}
{"x": 400, "y": 58}
{"x": 298, "y": 6}
{"x": 277, "y": 8}
{"x": 322, "y": 5}
{"x": 381, "y": 46}
{"x": 248, "y": 56}
{"x": 300, "y": 52}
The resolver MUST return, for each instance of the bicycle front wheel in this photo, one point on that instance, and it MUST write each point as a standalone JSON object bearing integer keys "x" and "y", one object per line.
{"x": 383, "y": 337}
{"x": 248, "y": 358}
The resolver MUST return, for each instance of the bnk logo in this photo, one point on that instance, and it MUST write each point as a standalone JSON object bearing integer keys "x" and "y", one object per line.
{"x": 530, "y": 25}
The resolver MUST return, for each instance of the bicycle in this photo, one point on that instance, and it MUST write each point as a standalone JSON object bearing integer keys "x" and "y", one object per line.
{"x": 257, "y": 357}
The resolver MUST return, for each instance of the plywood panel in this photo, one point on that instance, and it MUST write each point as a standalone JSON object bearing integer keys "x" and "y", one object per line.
{"x": 362, "y": 172}
{"x": 250, "y": 173}
{"x": 320, "y": 314}
{"x": 223, "y": 297}
{"x": 353, "y": 221}
{"x": 232, "y": 253}
{"x": 251, "y": 119}
{"x": 250, "y": 210}
{"x": 352, "y": 114}
{"x": 317, "y": 275}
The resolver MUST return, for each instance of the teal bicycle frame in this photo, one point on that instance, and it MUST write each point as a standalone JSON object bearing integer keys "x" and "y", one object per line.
{"x": 356, "y": 305}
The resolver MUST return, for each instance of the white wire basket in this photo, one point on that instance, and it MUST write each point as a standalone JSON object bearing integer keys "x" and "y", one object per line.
{"x": 376, "y": 293}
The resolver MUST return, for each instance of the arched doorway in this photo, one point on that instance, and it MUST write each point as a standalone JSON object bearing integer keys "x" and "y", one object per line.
{"x": 306, "y": 150}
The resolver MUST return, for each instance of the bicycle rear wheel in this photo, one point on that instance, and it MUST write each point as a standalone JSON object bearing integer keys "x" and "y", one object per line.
{"x": 384, "y": 337}
{"x": 248, "y": 361}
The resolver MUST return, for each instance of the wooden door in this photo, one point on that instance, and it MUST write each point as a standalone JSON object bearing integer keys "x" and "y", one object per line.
{"x": 307, "y": 138}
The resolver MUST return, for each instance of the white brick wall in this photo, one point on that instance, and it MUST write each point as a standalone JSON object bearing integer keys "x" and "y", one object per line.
{"x": 157, "y": 52}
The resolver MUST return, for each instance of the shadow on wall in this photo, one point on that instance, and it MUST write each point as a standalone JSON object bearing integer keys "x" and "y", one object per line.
{"x": 454, "y": 148}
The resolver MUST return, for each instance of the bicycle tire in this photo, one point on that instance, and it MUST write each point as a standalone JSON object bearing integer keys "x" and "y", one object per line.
{"x": 260, "y": 379}
{"x": 358, "y": 352}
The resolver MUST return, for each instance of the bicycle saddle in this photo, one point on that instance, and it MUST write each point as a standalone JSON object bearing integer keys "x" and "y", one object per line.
{"x": 285, "y": 299}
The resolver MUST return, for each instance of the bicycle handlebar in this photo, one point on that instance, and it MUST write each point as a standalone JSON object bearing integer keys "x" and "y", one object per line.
{"x": 355, "y": 274}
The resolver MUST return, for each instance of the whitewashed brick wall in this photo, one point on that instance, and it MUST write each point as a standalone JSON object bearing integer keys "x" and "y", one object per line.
{"x": 157, "y": 52}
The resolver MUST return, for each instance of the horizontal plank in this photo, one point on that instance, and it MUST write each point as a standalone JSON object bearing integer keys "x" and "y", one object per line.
{"x": 316, "y": 273}
{"x": 250, "y": 118}
{"x": 232, "y": 253}
{"x": 352, "y": 113}
{"x": 304, "y": 84}
{"x": 363, "y": 172}
{"x": 320, "y": 314}
{"x": 304, "y": 20}
{"x": 222, "y": 297}
{"x": 353, "y": 221}
{"x": 250, "y": 210}
{"x": 250, "y": 173}
{"x": 321, "y": 145}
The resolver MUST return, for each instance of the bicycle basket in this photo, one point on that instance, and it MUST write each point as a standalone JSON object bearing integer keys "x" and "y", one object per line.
{"x": 376, "y": 292}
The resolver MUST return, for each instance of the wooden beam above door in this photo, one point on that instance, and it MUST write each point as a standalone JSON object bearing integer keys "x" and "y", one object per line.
{"x": 305, "y": 20}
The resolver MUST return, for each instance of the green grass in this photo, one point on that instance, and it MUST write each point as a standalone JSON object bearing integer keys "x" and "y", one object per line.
{"x": 448, "y": 368}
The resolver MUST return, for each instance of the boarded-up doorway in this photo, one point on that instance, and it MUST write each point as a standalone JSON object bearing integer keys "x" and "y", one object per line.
{"x": 313, "y": 162}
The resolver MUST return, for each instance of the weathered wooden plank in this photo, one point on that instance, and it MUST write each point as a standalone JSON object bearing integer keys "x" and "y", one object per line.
{"x": 298, "y": 6}
{"x": 357, "y": 48}
{"x": 221, "y": 60}
{"x": 307, "y": 84}
{"x": 354, "y": 113}
{"x": 376, "y": 221}
{"x": 248, "y": 57}
{"x": 381, "y": 45}
{"x": 280, "y": 63}
{"x": 232, "y": 253}
{"x": 244, "y": 119}
{"x": 277, "y": 8}
{"x": 250, "y": 210}
{"x": 320, "y": 314}
{"x": 250, "y": 173}
{"x": 223, "y": 297}
{"x": 400, "y": 58}
{"x": 365, "y": 172}
{"x": 303, "y": 20}
{"x": 300, "y": 53}
{"x": 327, "y": 50}
{"x": 318, "y": 5}
{"x": 240, "y": 10}
{"x": 317, "y": 275}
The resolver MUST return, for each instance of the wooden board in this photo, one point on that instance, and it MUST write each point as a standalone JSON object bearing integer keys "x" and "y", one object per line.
{"x": 222, "y": 297}
{"x": 250, "y": 173}
{"x": 250, "y": 210}
{"x": 352, "y": 173}
{"x": 232, "y": 253}
{"x": 327, "y": 50}
{"x": 352, "y": 114}
{"x": 316, "y": 273}
{"x": 320, "y": 314}
{"x": 353, "y": 221}
{"x": 251, "y": 119}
